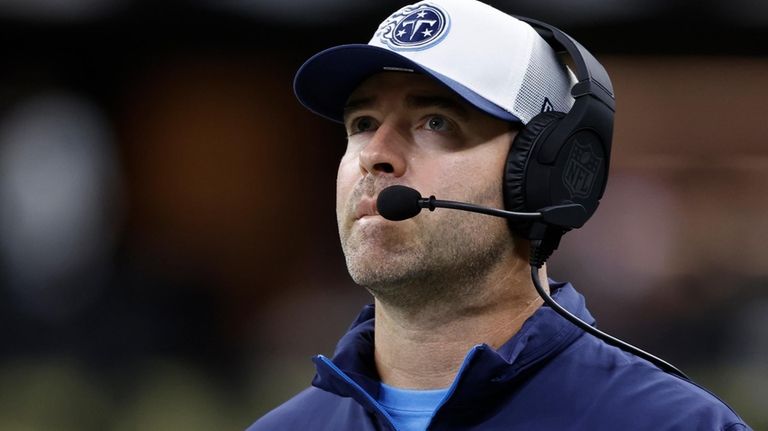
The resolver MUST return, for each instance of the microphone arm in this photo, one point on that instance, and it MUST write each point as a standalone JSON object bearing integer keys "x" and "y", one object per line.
{"x": 431, "y": 203}
{"x": 566, "y": 216}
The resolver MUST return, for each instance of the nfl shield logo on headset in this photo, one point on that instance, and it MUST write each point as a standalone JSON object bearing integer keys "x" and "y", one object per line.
{"x": 414, "y": 28}
{"x": 581, "y": 170}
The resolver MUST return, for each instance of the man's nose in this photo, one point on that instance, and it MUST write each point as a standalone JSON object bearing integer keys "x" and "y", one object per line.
{"x": 385, "y": 152}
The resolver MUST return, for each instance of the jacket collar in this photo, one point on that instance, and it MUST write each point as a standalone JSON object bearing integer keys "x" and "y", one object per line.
{"x": 485, "y": 371}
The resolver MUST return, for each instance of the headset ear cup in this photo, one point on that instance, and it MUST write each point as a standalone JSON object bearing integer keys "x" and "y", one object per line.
{"x": 517, "y": 160}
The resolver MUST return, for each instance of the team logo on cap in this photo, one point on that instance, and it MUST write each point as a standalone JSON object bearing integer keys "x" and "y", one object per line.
{"x": 414, "y": 28}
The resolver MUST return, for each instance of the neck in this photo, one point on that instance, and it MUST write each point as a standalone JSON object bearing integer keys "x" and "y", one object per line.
{"x": 423, "y": 349}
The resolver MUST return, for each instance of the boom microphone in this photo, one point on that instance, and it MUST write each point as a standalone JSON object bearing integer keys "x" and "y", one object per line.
{"x": 399, "y": 202}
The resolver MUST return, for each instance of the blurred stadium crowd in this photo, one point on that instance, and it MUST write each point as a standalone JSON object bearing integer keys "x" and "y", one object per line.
{"x": 168, "y": 250}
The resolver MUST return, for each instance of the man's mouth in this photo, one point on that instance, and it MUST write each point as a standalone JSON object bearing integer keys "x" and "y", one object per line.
{"x": 365, "y": 208}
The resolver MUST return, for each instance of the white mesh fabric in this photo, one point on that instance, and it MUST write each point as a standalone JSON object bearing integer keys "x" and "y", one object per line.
{"x": 545, "y": 78}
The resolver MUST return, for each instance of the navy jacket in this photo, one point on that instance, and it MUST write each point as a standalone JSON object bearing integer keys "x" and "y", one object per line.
{"x": 549, "y": 376}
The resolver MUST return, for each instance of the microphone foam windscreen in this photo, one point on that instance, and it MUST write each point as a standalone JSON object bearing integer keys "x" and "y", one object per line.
{"x": 398, "y": 203}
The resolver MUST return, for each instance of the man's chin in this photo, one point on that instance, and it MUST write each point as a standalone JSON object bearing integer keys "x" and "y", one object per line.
{"x": 377, "y": 236}
{"x": 371, "y": 266}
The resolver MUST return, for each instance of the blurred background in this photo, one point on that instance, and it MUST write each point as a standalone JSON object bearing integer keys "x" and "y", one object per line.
{"x": 168, "y": 248}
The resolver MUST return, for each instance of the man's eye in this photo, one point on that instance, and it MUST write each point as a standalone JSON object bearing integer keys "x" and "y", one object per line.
{"x": 438, "y": 124}
{"x": 362, "y": 124}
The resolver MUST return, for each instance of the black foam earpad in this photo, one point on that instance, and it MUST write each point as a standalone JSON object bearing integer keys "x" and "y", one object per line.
{"x": 517, "y": 159}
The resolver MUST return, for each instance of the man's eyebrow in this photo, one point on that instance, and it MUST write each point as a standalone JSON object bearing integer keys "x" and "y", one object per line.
{"x": 358, "y": 103}
{"x": 444, "y": 102}
{"x": 413, "y": 101}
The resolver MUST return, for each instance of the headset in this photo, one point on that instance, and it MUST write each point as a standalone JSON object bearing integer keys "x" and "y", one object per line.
{"x": 560, "y": 159}
{"x": 563, "y": 158}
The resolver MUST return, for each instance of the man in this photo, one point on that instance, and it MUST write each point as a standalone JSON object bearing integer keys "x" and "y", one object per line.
{"x": 462, "y": 339}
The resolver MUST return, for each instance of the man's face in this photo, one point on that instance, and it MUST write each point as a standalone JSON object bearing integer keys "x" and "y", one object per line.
{"x": 404, "y": 128}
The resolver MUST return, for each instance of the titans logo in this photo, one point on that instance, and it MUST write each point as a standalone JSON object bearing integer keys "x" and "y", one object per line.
{"x": 414, "y": 28}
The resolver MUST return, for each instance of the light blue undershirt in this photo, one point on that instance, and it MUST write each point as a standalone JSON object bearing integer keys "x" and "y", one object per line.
{"x": 411, "y": 409}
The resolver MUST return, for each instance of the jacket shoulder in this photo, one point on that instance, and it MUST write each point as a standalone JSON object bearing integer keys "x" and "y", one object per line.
{"x": 626, "y": 388}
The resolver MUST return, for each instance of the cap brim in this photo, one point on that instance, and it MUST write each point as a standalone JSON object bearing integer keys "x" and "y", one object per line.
{"x": 325, "y": 81}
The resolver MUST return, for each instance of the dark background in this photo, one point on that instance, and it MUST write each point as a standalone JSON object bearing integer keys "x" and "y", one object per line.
{"x": 168, "y": 248}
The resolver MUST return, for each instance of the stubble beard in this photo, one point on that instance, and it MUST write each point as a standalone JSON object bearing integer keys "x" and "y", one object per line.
{"x": 434, "y": 262}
